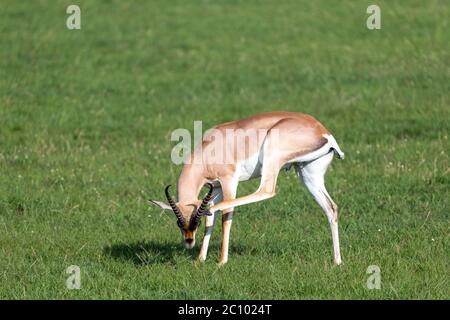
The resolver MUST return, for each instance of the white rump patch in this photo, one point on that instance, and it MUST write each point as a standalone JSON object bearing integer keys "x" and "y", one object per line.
{"x": 325, "y": 149}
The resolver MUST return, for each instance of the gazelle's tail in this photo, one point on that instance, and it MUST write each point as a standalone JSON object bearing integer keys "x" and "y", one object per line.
{"x": 335, "y": 147}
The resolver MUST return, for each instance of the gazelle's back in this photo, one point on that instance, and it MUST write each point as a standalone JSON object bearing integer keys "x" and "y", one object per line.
{"x": 267, "y": 120}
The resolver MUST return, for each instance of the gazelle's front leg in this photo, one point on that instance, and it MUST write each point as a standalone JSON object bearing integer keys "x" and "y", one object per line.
{"x": 209, "y": 224}
{"x": 265, "y": 191}
{"x": 227, "y": 219}
{"x": 229, "y": 187}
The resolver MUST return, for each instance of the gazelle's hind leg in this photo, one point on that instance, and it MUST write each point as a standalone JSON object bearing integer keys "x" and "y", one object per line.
{"x": 313, "y": 176}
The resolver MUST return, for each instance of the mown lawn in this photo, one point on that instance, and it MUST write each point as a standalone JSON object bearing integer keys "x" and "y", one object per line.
{"x": 85, "y": 123}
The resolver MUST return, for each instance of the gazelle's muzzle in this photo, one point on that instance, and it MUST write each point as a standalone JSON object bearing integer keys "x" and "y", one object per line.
{"x": 189, "y": 243}
{"x": 188, "y": 238}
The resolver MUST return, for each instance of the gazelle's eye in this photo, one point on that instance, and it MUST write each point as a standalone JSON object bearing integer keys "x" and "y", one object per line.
{"x": 180, "y": 225}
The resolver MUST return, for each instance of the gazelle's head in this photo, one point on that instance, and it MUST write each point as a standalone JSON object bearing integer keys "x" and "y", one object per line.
{"x": 188, "y": 215}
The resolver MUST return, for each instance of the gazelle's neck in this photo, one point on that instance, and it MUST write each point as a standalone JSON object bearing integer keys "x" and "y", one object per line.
{"x": 190, "y": 182}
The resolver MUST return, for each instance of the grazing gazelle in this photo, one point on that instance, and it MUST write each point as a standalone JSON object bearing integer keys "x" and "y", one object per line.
{"x": 258, "y": 146}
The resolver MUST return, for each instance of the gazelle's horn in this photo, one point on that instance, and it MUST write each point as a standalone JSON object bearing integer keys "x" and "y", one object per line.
{"x": 202, "y": 210}
{"x": 174, "y": 207}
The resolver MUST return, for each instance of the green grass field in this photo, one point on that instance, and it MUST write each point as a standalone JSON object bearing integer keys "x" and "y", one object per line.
{"x": 85, "y": 123}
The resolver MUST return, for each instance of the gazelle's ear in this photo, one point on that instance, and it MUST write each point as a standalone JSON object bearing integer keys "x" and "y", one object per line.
{"x": 160, "y": 204}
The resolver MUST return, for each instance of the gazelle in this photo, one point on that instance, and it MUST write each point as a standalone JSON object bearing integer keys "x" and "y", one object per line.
{"x": 283, "y": 139}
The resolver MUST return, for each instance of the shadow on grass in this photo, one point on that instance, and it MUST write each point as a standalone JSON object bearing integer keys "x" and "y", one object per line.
{"x": 146, "y": 253}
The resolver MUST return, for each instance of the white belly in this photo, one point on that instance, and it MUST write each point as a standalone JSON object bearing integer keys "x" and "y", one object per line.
{"x": 249, "y": 168}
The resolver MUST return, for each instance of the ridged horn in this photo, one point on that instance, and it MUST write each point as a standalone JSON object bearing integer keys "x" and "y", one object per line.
{"x": 202, "y": 210}
{"x": 174, "y": 207}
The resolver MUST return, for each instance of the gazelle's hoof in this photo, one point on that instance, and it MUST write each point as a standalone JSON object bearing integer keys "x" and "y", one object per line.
{"x": 221, "y": 263}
